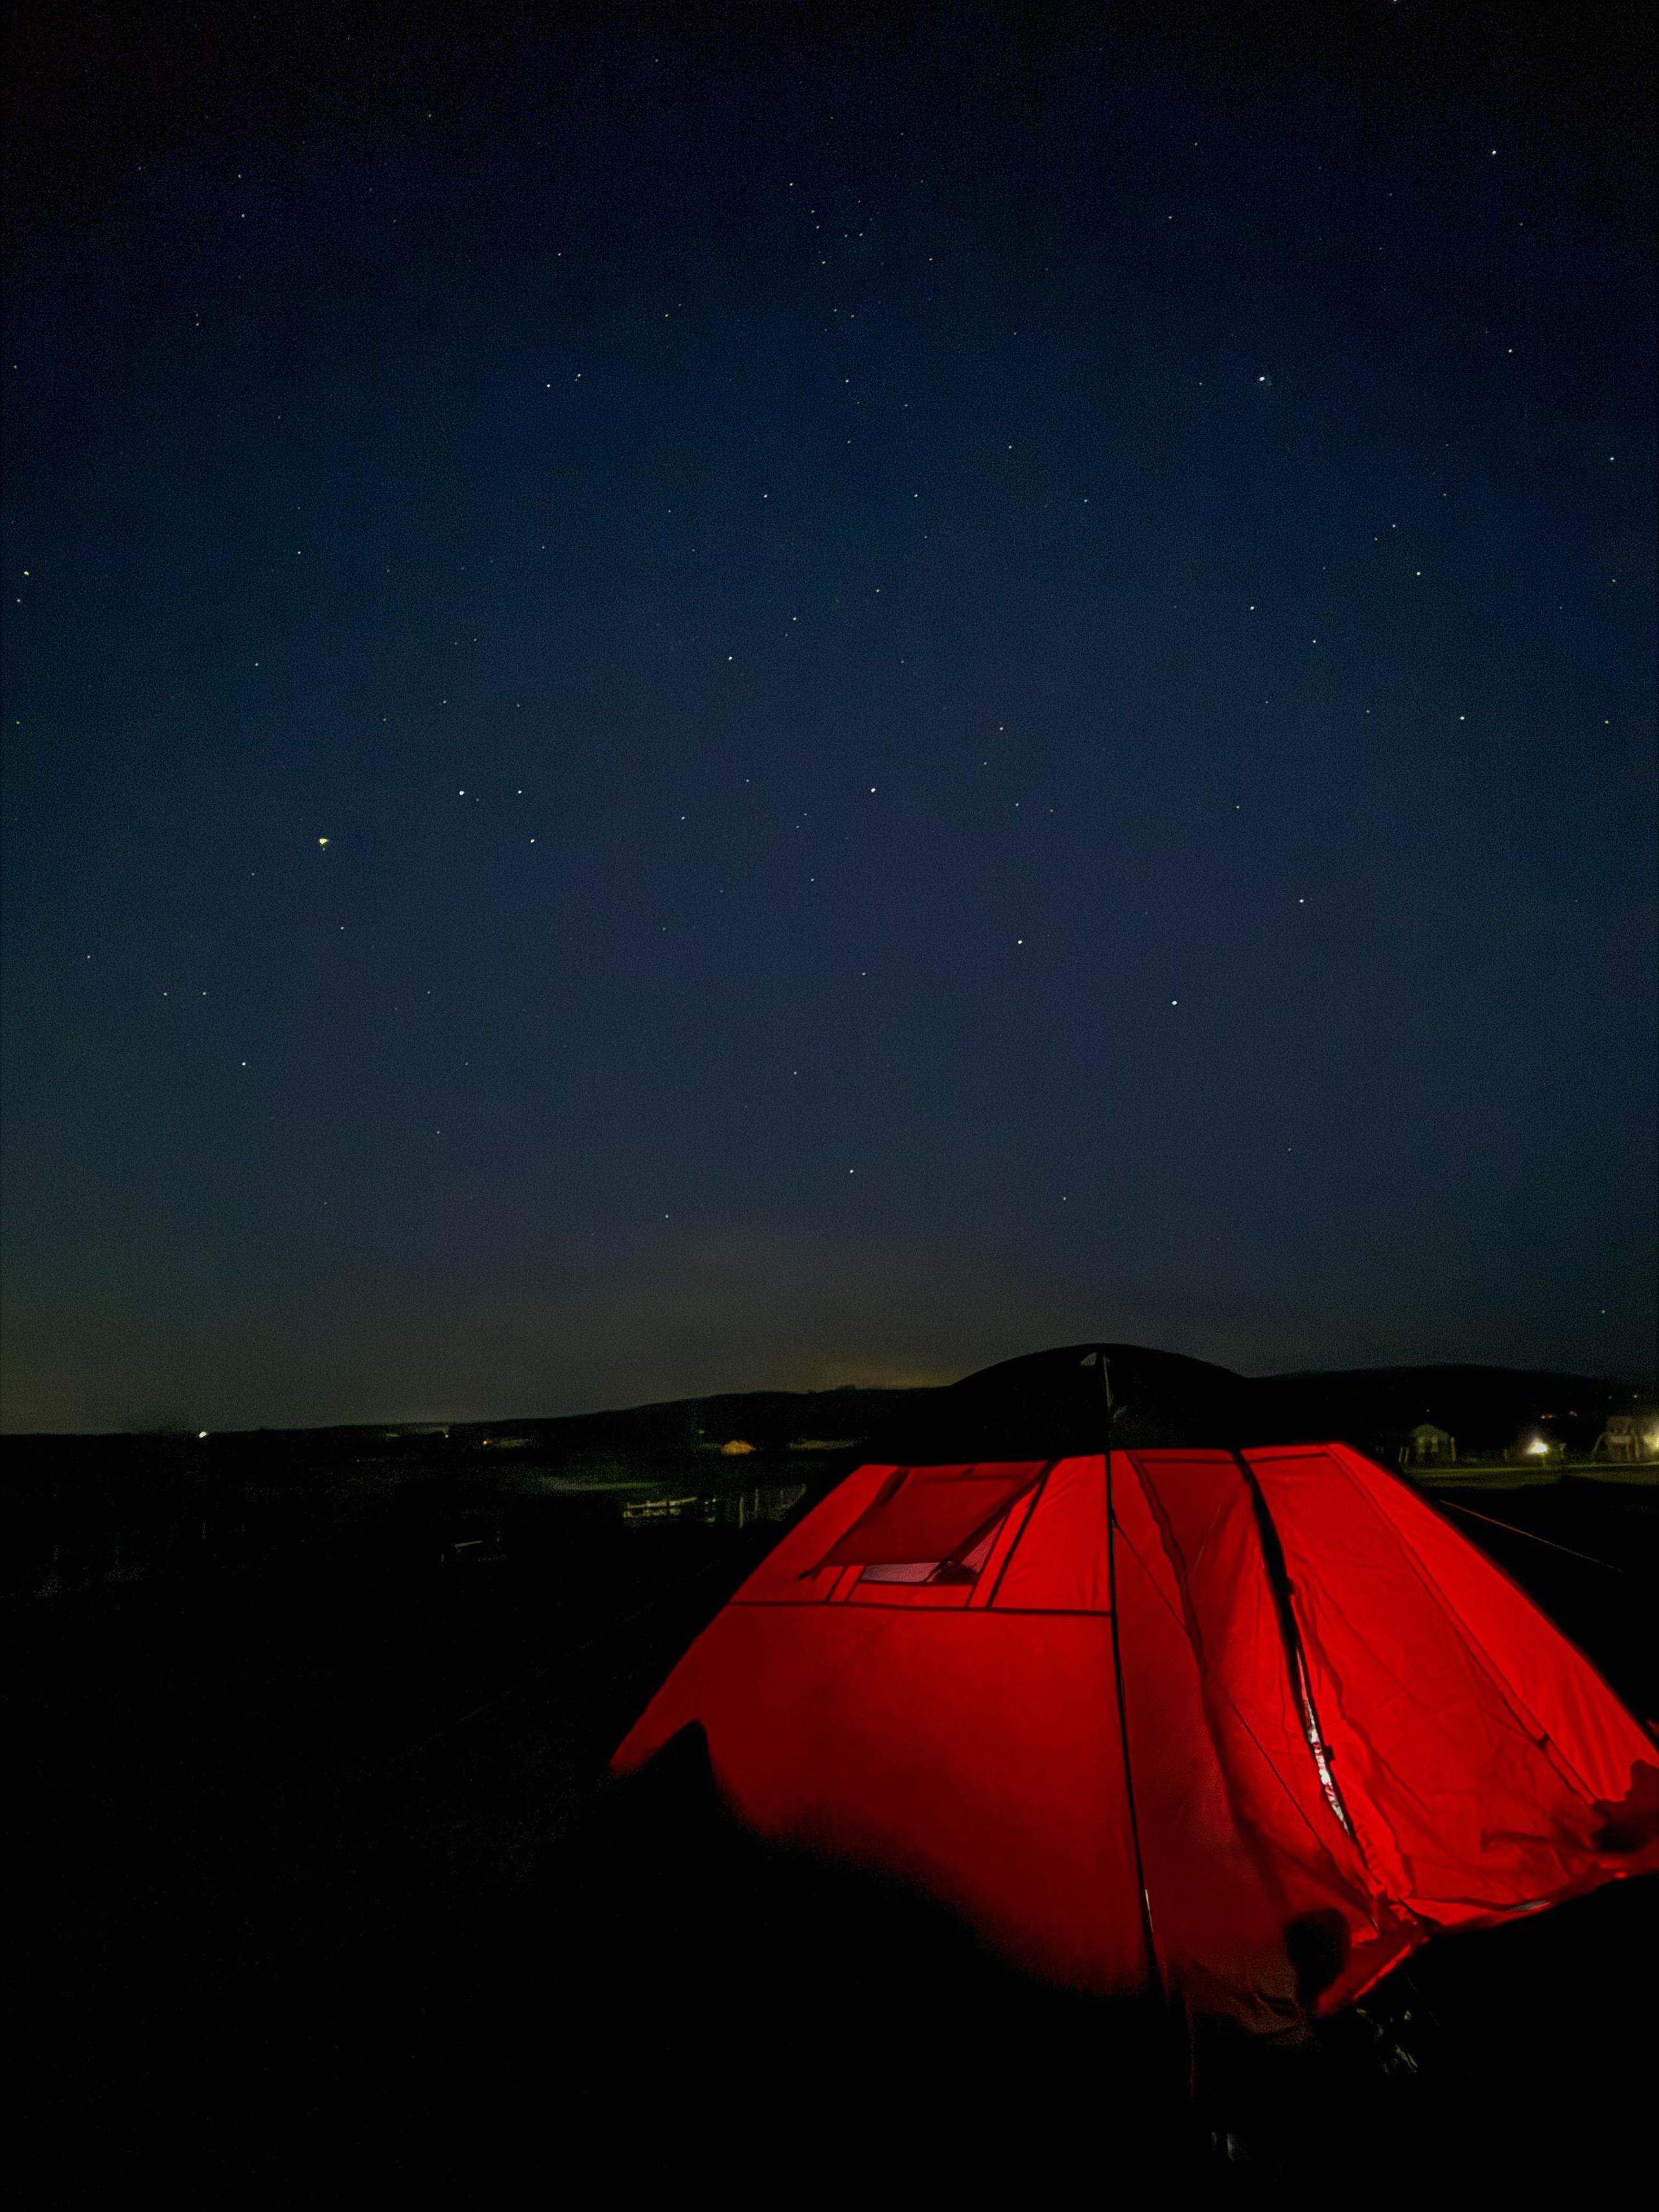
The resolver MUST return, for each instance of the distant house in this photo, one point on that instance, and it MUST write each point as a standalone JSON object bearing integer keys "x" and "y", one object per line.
{"x": 821, "y": 1443}
{"x": 1428, "y": 1446}
{"x": 1620, "y": 1442}
{"x": 736, "y": 1449}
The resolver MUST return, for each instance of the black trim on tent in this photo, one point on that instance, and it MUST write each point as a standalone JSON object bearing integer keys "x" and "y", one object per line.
{"x": 1153, "y": 1969}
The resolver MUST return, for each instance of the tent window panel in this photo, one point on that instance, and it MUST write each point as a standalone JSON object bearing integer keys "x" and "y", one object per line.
{"x": 933, "y": 1514}
{"x": 972, "y": 1560}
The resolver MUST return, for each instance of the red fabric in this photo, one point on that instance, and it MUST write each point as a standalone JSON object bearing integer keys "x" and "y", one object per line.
{"x": 907, "y": 1742}
{"x": 868, "y": 1591}
{"x": 967, "y": 1738}
{"x": 1060, "y": 1564}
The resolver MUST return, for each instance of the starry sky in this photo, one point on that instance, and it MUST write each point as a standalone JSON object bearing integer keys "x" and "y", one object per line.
{"x": 701, "y": 699}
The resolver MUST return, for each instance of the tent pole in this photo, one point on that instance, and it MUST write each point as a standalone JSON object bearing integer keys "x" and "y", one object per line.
{"x": 1154, "y": 1975}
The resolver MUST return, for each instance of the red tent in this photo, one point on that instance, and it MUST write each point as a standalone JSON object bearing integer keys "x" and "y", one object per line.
{"x": 1247, "y": 1727}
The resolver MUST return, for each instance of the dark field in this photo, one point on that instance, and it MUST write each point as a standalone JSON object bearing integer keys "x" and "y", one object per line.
{"x": 314, "y": 1890}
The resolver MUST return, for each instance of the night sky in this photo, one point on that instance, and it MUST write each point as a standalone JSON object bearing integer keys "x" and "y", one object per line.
{"x": 704, "y": 700}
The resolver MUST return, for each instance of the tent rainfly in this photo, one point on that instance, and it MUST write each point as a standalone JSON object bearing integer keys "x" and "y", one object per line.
{"x": 1243, "y": 1727}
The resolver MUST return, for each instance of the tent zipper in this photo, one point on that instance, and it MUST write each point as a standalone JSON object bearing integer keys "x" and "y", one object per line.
{"x": 1279, "y": 1581}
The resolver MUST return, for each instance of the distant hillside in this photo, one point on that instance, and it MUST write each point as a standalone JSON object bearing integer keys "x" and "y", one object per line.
{"x": 771, "y": 1420}
{"x": 1486, "y": 1408}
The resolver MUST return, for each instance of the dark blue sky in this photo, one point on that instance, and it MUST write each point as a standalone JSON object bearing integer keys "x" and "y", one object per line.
{"x": 696, "y": 700}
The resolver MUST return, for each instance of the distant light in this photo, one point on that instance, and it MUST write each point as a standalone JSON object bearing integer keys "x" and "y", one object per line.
{"x": 1538, "y": 1447}
{"x": 201, "y": 1436}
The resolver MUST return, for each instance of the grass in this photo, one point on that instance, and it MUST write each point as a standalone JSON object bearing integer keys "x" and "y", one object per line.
{"x": 1508, "y": 1475}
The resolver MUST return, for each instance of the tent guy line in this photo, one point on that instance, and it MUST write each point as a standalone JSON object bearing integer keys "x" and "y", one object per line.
{"x": 1549, "y": 1544}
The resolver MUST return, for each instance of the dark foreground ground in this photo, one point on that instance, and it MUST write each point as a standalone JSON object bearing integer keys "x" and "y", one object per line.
{"x": 315, "y": 1894}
